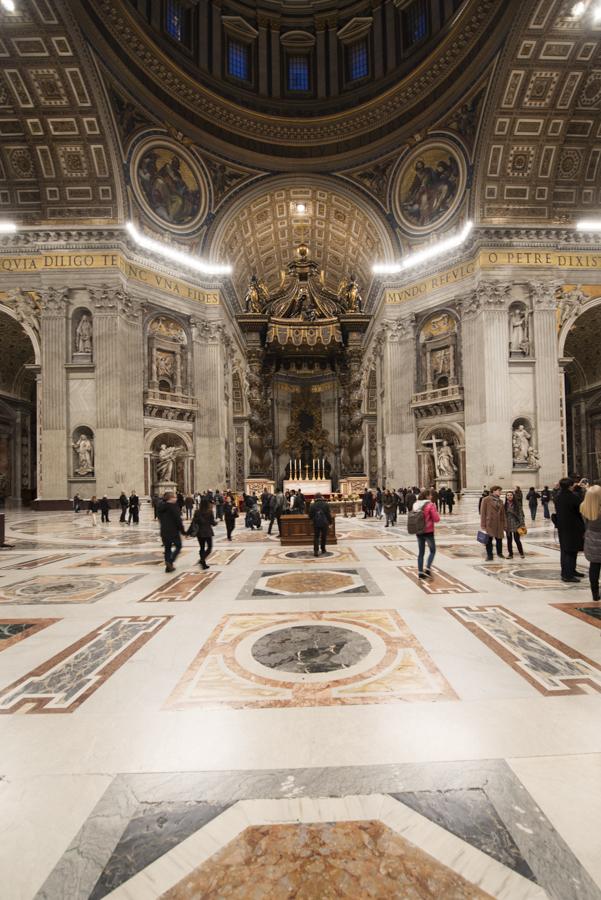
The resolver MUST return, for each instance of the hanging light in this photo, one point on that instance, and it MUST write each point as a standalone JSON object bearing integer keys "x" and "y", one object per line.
{"x": 178, "y": 256}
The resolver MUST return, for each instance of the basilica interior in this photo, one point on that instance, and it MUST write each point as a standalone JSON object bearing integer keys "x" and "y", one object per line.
{"x": 254, "y": 247}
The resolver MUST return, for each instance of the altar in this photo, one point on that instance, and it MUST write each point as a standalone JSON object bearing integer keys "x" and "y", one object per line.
{"x": 309, "y": 486}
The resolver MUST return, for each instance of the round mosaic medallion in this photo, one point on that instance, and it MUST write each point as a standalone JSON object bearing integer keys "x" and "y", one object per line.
{"x": 309, "y": 649}
{"x": 429, "y": 186}
{"x": 169, "y": 184}
{"x": 306, "y": 554}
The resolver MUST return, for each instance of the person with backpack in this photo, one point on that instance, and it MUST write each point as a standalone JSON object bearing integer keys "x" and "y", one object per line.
{"x": 450, "y": 500}
{"x": 277, "y": 505}
{"x": 321, "y": 516}
{"x": 123, "y": 503}
{"x": 420, "y": 522}
{"x": 533, "y": 497}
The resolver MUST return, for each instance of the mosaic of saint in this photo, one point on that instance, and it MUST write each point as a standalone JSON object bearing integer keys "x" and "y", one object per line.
{"x": 430, "y": 186}
{"x": 169, "y": 186}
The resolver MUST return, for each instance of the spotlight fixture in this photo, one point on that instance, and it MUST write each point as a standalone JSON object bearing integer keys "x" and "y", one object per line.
{"x": 7, "y": 227}
{"x": 597, "y": 13}
{"x": 9, "y": 5}
{"x": 579, "y": 9}
{"x": 301, "y": 208}
{"x": 420, "y": 256}
{"x": 178, "y": 256}
{"x": 589, "y": 225}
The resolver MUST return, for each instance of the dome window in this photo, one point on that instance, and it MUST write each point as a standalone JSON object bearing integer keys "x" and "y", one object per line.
{"x": 416, "y": 23}
{"x": 298, "y": 72}
{"x": 357, "y": 60}
{"x": 238, "y": 60}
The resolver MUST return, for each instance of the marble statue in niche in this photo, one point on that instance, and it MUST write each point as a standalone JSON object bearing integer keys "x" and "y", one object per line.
{"x": 165, "y": 365}
{"x": 84, "y": 448}
{"x": 440, "y": 360}
{"x": 446, "y": 467}
{"x": 521, "y": 444}
{"x": 519, "y": 331}
{"x": 349, "y": 295}
{"x": 166, "y": 463}
{"x": 84, "y": 335}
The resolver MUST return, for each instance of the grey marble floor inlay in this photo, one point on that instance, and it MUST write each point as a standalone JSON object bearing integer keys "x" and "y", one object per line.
{"x": 307, "y": 649}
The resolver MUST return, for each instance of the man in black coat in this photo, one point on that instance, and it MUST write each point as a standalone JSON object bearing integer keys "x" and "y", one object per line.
{"x": 170, "y": 520}
{"x": 570, "y": 527}
{"x": 123, "y": 503}
{"x": 134, "y": 508}
{"x": 320, "y": 515}
{"x": 104, "y": 509}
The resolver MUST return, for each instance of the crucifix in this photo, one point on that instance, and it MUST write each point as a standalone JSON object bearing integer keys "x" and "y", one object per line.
{"x": 434, "y": 441}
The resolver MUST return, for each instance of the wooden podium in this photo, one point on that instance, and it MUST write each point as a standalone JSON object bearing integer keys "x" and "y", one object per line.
{"x": 298, "y": 530}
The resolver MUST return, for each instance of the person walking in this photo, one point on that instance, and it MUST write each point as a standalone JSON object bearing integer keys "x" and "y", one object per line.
{"x": 123, "y": 503}
{"x": 410, "y": 499}
{"x": 104, "y": 509}
{"x": 450, "y": 500}
{"x": 93, "y": 507}
{"x": 493, "y": 522}
{"x": 545, "y": 499}
{"x": 230, "y": 514}
{"x": 378, "y": 503}
{"x": 76, "y": 503}
{"x": 570, "y": 528}
{"x": 201, "y": 528}
{"x": 219, "y": 506}
{"x": 189, "y": 504}
{"x": 514, "y": 515}
{"x": 321, "y": 516}
{"x": 134, "y": 509}
{"x": 484, "y": 494}
{"x": 172, "y": 528}
{"x": 532, "y": 498}
{"x": 590, "y": 510}
{"x": 442, "y": 500}
{"x": 424, "y": 517}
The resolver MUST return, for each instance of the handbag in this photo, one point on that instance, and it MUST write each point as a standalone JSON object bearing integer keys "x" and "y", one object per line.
{"x": 193, "y": 530}
{"x": 522, "y": 531}
{"x": 482, "y": 537}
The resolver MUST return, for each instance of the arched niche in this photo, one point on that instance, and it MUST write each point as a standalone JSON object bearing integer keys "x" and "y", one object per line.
{"x": 582, "y": 367}
{"x": 181, "y": 473}
{"x": 168, "y": 360}
{"x": 523, "y": 444}
{"x": 431, "y": 440}
{"x": 19, "y": 354}
{"x": 82, "y": 335}
{"x": 520, "y": 330}
{"x": 438, "y": 351}
{"x": 82, "y": 452}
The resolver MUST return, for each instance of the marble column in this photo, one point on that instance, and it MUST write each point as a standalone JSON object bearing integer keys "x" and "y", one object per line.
{"x": 486, "y": 387}
{"x": 209, "y": 441}
{"x": 276, "y": 75}
{"x": 262, "y": 55}
{"x": 546, "y": 380}
{"x": 130, "y": 473}
{"x": 55, "y": 453}
{"x": 398, "y": 373}
{"x": 321, "y": 57}
{"x": 333, "y": 57}
{"x": 378, "y": 14}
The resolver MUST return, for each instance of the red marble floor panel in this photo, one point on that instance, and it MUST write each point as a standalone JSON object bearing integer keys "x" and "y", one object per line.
{"x": 182, "y": 588}
{"x": 439, "y": 583}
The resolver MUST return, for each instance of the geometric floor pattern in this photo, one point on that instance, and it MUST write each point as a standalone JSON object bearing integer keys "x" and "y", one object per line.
{"x": 291, "y": 725}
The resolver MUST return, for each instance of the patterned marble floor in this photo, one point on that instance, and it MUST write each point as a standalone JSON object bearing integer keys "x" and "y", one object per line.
{"x": 285, "y": 726}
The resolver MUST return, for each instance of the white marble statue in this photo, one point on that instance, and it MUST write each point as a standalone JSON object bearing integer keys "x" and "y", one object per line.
{"x": 165, "y": 462}
{"x": 446, "y": 464}
{"x": 84, "y": 448}
{"x": 83, "y": 335}
{"x": 518, "y": 331}
{"x": 533, "y": 458}
{"x": 521, "y": 444}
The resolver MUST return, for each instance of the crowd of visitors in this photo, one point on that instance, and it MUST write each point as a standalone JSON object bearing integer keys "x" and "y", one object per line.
{"x": 576, "y": 516}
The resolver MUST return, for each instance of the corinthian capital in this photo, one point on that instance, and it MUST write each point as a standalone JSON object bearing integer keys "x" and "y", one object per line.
{"x": 55, "y": 301}
{"x": 27, "y": 309}
{"x": 544, "y": 294}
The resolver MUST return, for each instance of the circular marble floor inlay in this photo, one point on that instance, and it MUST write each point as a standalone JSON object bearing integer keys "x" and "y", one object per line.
{"x": 308, "y": 649}
{"x": 307, "y": 554}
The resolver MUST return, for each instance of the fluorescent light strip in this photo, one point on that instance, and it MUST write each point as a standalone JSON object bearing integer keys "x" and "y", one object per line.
{"x": 7, "y": 227}
{"x": 415, "y": 259}
{"x": 178, "y": 256}
{"x": 589, "y": 225}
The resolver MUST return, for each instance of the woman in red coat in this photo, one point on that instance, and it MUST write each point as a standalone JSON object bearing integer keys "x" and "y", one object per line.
{"x": 425, "y": 504}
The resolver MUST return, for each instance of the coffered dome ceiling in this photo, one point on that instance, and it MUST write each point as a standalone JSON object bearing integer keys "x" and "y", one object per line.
{"x": 258, "y": 235}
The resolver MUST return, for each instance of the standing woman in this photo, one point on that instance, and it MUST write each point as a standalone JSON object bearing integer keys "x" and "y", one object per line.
{"x": 230, "y": 514}
{"x": 590, "y": 509}
{"x": 515, "y": 520}
{"x": 202, "y": 528}
{"x": 425, "y": 504}
{"x": 93, "y": 507}
{"x": 532, "y": 497}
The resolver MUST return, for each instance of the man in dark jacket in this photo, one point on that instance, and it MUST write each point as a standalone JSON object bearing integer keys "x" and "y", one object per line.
{"x": 134, "y": 508}
{"x": 277, "y": 505}
{"x": 123, "y": 503}
{"x": 170, "y": 520}
{"x": 570, "y": 527}
{"x": 104, "y": 509}
{"x": 320, "y": 515}
{"x": 299, "y": 503}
